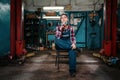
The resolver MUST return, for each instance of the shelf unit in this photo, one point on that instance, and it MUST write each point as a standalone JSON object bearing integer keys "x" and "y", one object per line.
{"x": 31, "y": 32}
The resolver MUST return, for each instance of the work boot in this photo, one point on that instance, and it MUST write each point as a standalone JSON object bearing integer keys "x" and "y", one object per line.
{"x": 73, "y": 74}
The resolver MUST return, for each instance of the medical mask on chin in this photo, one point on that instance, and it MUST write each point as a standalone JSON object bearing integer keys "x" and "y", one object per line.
{"x": 65, "y": 23}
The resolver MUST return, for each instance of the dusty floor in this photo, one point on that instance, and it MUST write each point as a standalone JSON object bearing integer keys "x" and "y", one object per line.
{"x": 42, "y": 67}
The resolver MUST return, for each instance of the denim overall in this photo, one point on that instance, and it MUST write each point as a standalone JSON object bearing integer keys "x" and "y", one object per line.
{"x": 64, "y": 43}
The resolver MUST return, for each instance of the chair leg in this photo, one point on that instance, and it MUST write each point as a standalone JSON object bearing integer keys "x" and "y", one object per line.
{"x": 57, "y": 60}
{"x": 58, "y": 56}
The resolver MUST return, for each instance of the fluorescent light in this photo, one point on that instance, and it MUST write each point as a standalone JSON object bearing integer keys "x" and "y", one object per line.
{"x": 53, "y": 8}
{"x": 51, "y": 17}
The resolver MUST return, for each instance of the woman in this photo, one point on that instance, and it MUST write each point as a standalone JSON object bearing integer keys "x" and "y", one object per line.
{"x": 65, "y": 40}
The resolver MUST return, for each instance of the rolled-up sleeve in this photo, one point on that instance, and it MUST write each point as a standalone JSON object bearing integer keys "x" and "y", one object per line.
{"x": 58, "y": 33}
{"x": 72, "y": 34}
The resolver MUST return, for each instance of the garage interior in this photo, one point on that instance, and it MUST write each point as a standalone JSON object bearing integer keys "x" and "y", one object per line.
{"x": 27, "y": 29}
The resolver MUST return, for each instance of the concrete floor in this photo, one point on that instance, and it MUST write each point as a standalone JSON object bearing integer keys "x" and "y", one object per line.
{"x": 42, "y": 67}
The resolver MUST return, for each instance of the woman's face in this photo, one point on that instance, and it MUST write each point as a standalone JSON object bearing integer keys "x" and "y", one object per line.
{"x": 64, "y": 18}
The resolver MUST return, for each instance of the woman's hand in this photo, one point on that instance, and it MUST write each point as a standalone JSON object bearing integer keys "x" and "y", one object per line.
{"x": 61, "y": 28}
{"x": 73, "y": 46}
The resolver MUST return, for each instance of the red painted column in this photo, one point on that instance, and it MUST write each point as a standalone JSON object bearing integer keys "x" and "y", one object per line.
{"x": 12, "y": 28}
{"x": 107, "y": 27}
{"x": 107, "y": 19}
{"x": 19, "y": 29}
{"x": 18, "y": 19}
{"x": 16, "y": 30}
{"x": 110, "y": 21}
{"x": 114, "y": 26}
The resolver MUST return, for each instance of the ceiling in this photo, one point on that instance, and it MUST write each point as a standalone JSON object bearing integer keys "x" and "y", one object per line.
{"x": 76, "y": 5}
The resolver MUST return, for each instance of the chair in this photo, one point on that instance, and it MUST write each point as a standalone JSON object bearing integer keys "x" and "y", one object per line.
{"x": 59, "y": 55}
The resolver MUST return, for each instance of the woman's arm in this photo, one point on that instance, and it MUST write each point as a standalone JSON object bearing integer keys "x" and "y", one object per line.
{"x": 72, "y": 37}
{"x": 58, "y": 32}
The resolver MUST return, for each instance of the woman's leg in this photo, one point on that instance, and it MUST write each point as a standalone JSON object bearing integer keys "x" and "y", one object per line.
{"x": 62, "y": 44}
{"x": 72, "y": 61}
{"x": 65, "y": 45}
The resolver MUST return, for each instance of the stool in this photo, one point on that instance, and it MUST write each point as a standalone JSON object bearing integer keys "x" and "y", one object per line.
{"x": 58, "y": 56}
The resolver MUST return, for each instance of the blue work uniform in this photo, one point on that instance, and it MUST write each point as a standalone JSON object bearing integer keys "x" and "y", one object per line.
{"x": 64, "y": 43}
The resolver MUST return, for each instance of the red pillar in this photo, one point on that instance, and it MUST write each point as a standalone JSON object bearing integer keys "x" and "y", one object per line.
{"x": 110, "y": 26}
{"x": 16, "y": 30}
{"x": 19, "y": 29}
{"x": 12, "y": 28}
{"x": 114, "y": 26}
{"x": 107, "y": 27}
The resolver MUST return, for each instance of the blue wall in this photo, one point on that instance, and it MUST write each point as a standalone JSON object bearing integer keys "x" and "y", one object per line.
{"x": 81, "y": 34}
{"x": 92, "y": 36}
{"x": 88, "y": 36}
{"x": 4, "y": 27}
{"x": 94, "y": 33}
